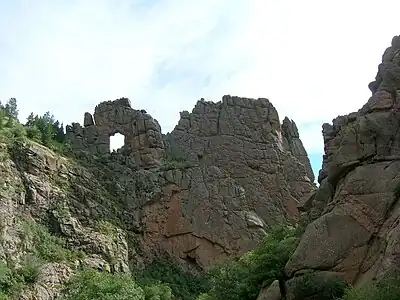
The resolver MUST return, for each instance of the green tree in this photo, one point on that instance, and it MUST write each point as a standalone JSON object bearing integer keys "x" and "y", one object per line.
{"x": 12, "y": 108}
{"x": 30, "y": 120}
{"x": 3, "y": 117}
{"x": 242, "y": 279}
{"x": 32, "y": 129}
{"x": 45, "y": 129}
{"x": 58, "y": 132}
{"x": 184, "y": 285}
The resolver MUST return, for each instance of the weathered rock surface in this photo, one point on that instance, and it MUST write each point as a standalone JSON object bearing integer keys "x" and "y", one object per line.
{"x": 230, "y": 168}
{"x": 47, "y": 286}
{"x": 356, "y": 211}
{"x": 203, "y": 193}
{"x": 247, "y": 172}
{"x": 270, "y": 293}
{"x": 245, "y": 138}
{"x": 143, "y": 139}
{"x": 34, "y": 188}
{"x": 292, "y": 142}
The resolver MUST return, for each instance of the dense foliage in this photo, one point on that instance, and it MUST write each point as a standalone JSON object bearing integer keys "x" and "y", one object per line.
{"x": 43, "y": 129}
{"x": 184, "y": 285}
{"x": 242, "y": 279}
{"x": 14, "y": 280}
{"x": 310, "y": 286}
{"x": 91, "y": 284}
{"x": 386, "y": 289}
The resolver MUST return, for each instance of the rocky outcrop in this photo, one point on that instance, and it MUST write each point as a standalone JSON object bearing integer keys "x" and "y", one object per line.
{"x": 230, "y": 169}
{"x": 356, "y": 231}
{"x": 245, "y": 138}
{"x": 203, "y": 193}
{"x": 247, "y": 172}
{"x": 143, "y": 139}
{"x": 42, "y": 193}
{"x": 292, "y": 142}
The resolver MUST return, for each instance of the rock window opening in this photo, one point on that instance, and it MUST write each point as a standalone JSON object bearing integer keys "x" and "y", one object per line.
{"x": 116, "y": 142}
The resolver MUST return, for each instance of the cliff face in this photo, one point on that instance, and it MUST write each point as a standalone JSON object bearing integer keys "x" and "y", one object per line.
{"x": 356, "y": 211}
{"x": 245, "y": 138}
{"x": 204, "y": 192}
{"x": 225, "y": 172}
{"x": 44, "y": 195}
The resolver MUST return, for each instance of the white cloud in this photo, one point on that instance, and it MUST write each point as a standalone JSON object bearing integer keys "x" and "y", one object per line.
{"x": 313, "y": 59}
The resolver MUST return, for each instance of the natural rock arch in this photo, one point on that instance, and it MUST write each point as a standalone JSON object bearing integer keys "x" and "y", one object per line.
{"x": 143, "y": 138}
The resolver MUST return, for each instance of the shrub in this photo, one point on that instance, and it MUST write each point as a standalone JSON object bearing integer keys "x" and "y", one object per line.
{"x": 15, "y": 134}
{"x": 184, "y": 285}
{"x": 29, "y": 271}
{"x": 13, "y": 281}
{"x": 242, "y": 279}
{"x": 106, "y": 228}
{"x": 204, "y": 296}
{"x": 160, "y": 291}
{"x": 174, "y": 161}
{"x": 7, "y": 281}
{"x": 90, "y": 284}
{"x": 318, "y": 287}
{"x": 387, "y": 289}
{"x": 46, "y": 246}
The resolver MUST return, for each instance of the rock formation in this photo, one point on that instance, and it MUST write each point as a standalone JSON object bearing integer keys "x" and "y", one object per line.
{"x": 208, "y": 190}
{"x": 292, "y": 142}
{"x": 228, "y": 170}
{"x": 356, "y": 211}
{"x": 143, "y": 139}
{"x": 247, "y": 171}
{"x": 245, "y": 138}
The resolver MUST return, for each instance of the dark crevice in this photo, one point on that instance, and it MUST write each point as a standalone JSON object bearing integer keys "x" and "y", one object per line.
{"x": 178, "y": 234}
{"x": 282, "y": 278}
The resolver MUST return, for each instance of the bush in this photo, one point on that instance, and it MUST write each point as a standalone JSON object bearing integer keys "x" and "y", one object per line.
{"x": 90, "y": 284}
{"x": 173, "y": 161}
{"x": 242, "y": 279}
{"x": 160, "y": 291}
{"x": 387, "y": 289}
{"x": 47, "y": 247}
{"x": 7, "y": 281}
{"x": 14, "y": 134}
{"x": 29, "y": 272}
{"x": 184, "y": 285}
{"x": 318, "y": 287}
{"x": 13, "y": 281}
{"x": 204, "y": 296}
{"x": 106, "y": 228}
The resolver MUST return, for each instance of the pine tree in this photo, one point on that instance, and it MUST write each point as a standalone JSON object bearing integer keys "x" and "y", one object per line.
{"x": 58, "y": 131}
{"x": 12, "y": 108}
{"x": 30, "y": 121}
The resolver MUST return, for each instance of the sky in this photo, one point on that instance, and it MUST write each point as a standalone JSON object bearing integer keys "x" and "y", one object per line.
{"x": 312, "y": 59}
